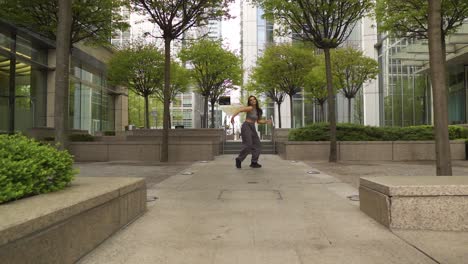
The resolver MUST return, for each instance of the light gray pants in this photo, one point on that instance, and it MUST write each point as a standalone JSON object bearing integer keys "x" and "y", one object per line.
{"x": 250, "y": 141}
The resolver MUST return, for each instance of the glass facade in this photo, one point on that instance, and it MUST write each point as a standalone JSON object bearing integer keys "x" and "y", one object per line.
{"x": 264, "y": 32}
{"x": 24, "y": 76}
{"x": 457, "y": 94}
{"x": 182, "y": 110}
{"x": 405, "y": 85}
{"x": 91, "y": 103}
{"x": 23, "y": 82}
{"x": 404, "y": 88}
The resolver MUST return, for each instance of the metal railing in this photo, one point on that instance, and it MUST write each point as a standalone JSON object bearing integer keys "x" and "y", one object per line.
{"x": 273, "y": 133}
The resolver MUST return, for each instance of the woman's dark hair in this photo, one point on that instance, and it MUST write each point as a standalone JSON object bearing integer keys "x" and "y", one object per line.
{"x": 257, "y": 106}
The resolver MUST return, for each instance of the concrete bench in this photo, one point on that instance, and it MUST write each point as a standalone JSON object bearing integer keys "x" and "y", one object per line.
{"x": 63, "y": 226}
{"x": 416, "y": 202}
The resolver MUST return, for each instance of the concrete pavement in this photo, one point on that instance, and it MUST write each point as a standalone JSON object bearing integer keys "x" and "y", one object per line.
{"x": 282, "y": 213}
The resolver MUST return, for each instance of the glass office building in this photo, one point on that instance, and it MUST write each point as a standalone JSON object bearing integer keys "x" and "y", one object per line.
{"x": 27, "y": 78}
{"x": 23, "y": 80}
{"x": 404, "y": 81}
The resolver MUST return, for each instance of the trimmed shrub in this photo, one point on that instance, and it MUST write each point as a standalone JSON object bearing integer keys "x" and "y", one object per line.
{"x": 354, "y": 132}
{"x": 80, "y": 137}
{"x": 109, "y": 133}
{"x": 28, "y": 167}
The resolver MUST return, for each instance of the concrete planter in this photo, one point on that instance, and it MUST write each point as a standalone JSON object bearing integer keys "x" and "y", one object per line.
{"x": 367, "y": 150}
{"x": 63, "y": 226}
{"x": 419, "y": 202}
{"x": 142, "y": 151}
{"x": 145, "y": 145}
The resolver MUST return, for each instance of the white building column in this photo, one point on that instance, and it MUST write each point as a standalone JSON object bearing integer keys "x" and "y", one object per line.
{"x": 371, "y": 99}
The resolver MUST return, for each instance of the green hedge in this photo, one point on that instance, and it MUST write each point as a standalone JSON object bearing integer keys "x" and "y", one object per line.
{"x": 28, "y": 167}
{"x": 74, "y": 138}
{"x": 353, "y": 132}
{"x": 80, "y": 137}
{"x": 109, "y": 133}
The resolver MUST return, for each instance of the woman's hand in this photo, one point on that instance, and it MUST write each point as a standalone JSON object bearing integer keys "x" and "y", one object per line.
{"x": 232, "y": 120}
{"x": 265, "y": 121}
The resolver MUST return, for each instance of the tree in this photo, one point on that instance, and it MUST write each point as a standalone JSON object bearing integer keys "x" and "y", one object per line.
{"x": 417, "y": 18}
{"x": 352, "y": 70}
{"x": 261, "y": 84}
{"x": 174, "y": 18}
{"x": 285, "y": 66}
{"x": 326, "y": 24}
{"x": 61, "y": 75}
{"x": 315, "y": 87}
{"x": 141, "y": 69}
{"x": 212, "y": 67}
{"x": 179, "y": 84}
{"x": 91, "y": 21}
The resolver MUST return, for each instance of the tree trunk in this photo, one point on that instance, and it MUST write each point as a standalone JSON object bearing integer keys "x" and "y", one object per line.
{"x": 205, "y": 113}
{"x": 279, "y": 115}
{"x": 439, "y": 88}
{"x": 146, "y": 112}
{"x": 291, "y": 110}
{"x": 167, "y": 99}
{"x": 349, "y": 110}
{"x": 212, "y": 115}
{"x": 331, "y": 107}
{"x": 62, "y": 72}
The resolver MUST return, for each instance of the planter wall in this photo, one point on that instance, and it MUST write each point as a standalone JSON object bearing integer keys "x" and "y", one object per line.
{"x": 63, "y": 226}
{"x": 142, "y": 151}
{"x": 367, "y": 150}
{"x": 176, "y": 137}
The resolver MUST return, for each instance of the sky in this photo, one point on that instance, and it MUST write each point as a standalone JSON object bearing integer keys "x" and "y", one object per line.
{"x": 230, "y": 29}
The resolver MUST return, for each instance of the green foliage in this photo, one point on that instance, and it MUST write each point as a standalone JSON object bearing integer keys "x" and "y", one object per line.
{"x": 81, "y": 137}
{"x": 28, "y": 167}
{"x": 352, "y": 69}
{"x": 326, "y": 24}
{"x": 109, "y": 133}
{"x": 180, "y": 82}
{"x": 139, "y": 67}
{"x": 355, "y": 132}
{"x": 315, "y": 83}
{"x": 284, "y": 66}
{"x": 214, "y": 70}
{"x": 212, "y": 65}
{"x": 92, "y": 21}
{"x": 410, "y": 19}
{"x": 175, "y": 17}
{"x": 74, "y": 137}
{"x": 282, "y": 70}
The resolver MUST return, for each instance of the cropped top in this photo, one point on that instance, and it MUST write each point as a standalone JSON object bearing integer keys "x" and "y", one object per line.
{"x": 252, "y": 115}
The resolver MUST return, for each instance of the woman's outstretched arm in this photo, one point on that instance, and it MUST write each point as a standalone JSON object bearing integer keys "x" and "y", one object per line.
{"x": 264, "y": 121}
{"x": 241, "y": 109}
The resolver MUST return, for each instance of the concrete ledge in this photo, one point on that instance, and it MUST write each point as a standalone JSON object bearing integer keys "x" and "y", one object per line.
{"x": 63, "y": 226}
{"x": 367, "y": 150}
{"x": 416, "y": 202}
{"x": 142, "y": 151}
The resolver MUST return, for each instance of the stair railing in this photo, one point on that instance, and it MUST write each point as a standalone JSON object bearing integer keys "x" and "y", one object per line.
{"x": 273, "y": 133}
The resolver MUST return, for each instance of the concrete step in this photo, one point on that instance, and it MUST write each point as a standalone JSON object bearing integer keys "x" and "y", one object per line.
{"x": 234, "y": 147}
{"x": 237, "y": 152}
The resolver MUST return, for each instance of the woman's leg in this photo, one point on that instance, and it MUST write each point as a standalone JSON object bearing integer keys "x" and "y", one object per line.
{"x": 247, "y": 142}
{"x": 256, "y": 147}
